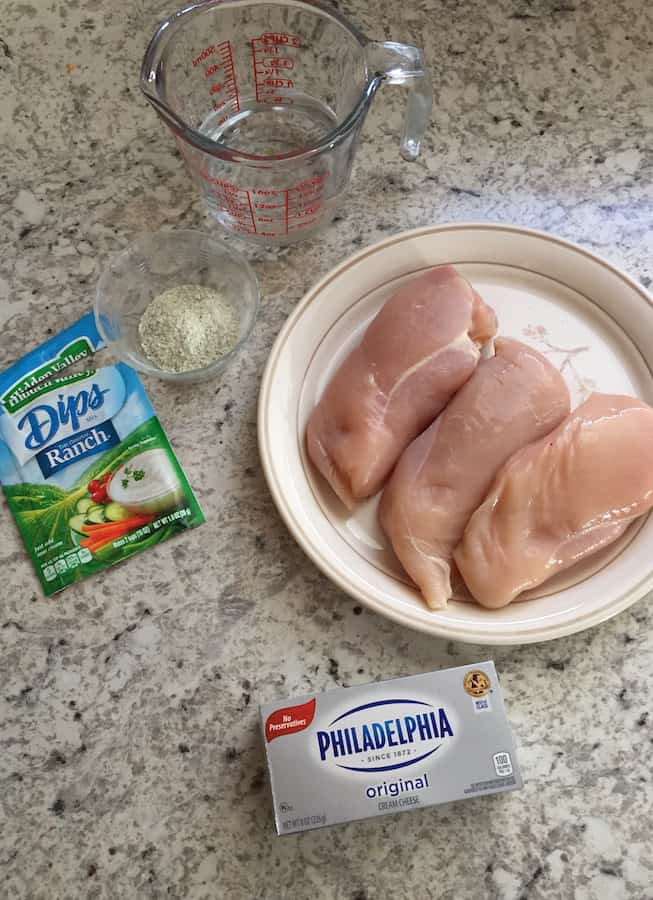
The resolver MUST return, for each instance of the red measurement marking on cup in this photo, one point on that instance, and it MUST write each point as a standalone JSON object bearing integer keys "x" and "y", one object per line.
{"x": 217, "y": 64}
{"x": 251, "y": 211}
{"x": 234, "y": 201}
{"x": 304, "y": 203}
{"x": 272, "y": 65}
{"x": 231, "y": 88}
{"x": 271, "y": 212}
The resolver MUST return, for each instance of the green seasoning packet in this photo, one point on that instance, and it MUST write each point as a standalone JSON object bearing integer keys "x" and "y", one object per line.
{"x": 87, "y": 470}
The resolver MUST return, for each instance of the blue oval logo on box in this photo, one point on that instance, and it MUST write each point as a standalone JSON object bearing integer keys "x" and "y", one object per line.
{"x": 384, "y": 735}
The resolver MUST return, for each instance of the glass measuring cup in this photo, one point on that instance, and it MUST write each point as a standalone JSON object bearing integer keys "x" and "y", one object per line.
{"x": 267, "y": 101}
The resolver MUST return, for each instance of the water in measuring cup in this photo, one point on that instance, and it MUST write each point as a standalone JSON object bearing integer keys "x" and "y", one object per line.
{"x": 268, "y": 204}
{"x": 266, "y": 130}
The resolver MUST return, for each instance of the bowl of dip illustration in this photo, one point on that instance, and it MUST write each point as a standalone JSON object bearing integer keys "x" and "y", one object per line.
{"x": 147, "y": 483}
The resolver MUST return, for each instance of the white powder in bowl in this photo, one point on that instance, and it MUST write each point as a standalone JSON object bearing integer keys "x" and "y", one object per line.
{"x": 188, "y": 327}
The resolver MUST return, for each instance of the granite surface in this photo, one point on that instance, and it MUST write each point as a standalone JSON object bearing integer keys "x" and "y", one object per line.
{"x": 131, "y": 764}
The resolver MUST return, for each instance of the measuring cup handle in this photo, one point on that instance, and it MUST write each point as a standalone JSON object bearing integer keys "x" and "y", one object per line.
{"x": 403, "y": 64}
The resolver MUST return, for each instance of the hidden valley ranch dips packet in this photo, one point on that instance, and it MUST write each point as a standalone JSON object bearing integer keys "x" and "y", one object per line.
{"x": 87, "y": 470}
{"x": 390, "y": 746}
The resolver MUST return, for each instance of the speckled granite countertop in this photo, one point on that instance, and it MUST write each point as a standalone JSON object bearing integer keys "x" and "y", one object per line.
{"x": 131, "y": 760}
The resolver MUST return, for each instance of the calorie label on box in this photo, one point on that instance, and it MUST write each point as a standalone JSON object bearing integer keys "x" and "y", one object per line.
{"x": 390, "y": 746}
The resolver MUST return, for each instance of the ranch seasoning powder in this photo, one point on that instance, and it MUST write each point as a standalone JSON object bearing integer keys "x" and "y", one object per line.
{"x": 188, "y": 327}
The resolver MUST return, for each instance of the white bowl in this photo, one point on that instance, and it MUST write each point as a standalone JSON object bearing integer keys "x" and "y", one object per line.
{"x": 593, "y": 321}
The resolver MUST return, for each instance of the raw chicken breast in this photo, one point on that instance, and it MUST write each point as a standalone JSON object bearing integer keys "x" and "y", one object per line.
{"x": 512, "y": 399}
{"x": 421, "y": 347}
{"x": 560, "y": 499}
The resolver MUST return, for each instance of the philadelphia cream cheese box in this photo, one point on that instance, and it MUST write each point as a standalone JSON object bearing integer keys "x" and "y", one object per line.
{"x": 391, "y": 746}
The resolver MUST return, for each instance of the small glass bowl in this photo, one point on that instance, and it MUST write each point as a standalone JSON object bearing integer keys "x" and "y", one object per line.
{"x": 165, "y": 260}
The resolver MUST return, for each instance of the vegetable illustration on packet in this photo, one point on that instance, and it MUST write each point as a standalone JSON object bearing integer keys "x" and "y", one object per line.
{"x": 86, "y": 467}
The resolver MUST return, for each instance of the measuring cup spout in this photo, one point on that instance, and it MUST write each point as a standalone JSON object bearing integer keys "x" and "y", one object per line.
{"x": 153, "y": 74}
{"x": 403, "y": 64}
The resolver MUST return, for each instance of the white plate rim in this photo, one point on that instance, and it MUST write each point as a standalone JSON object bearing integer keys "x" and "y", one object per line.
{"x": 437, "y": 628}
